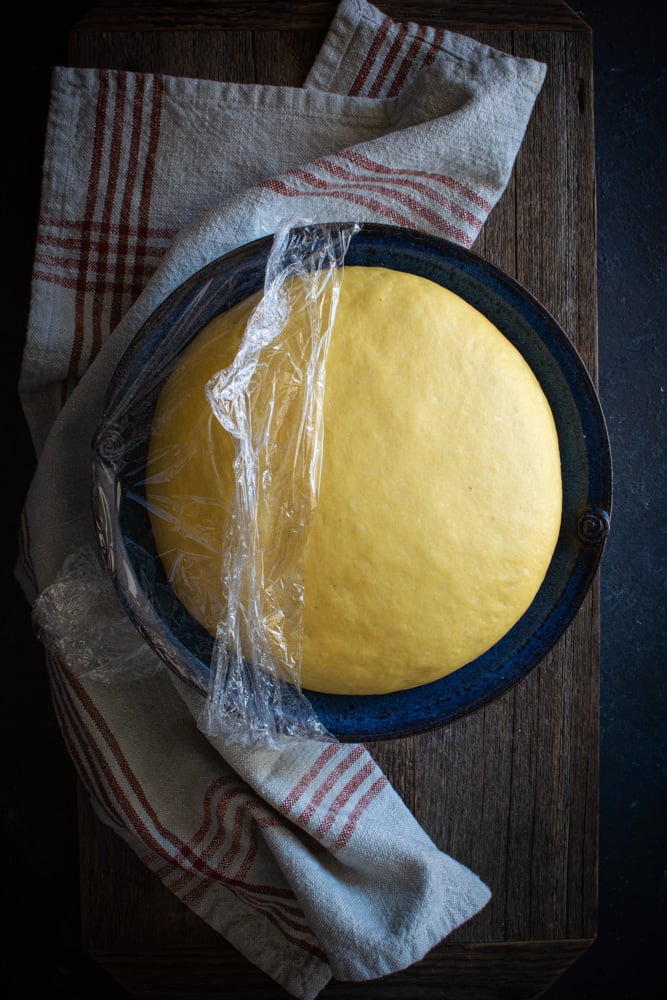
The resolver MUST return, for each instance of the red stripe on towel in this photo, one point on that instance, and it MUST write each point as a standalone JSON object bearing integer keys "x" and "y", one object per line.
{"x": 118, "y": 302}
{"x": 435, "y": 219}
{"x": 24, "y": 547}
{"x": 116, "y": 767}
{"x": 343, "y": 797}
{"x": 281, "y": 187}
{"x": 149, "y": 172}
{"x": 113, "y": 171}
{"x": 388, "y": 61}
{"x": 331, "y": 750}
{"x": 65, "y": 281}
{"x": 91, "y": 198}
{"x": 416, "y": 46}
{"x": 405, "y": 178}
{"x": 326, "y": 786}
{"x": 464, "y": 190}
{"x": 359, "y": 809}
{"x": 92, "y": 226}
{"x": 225, "y": 864}
{"x": 370, "y": 58}
{"x": 99, "y": 302}
{"x": 71, "y": 688}
{"x": 119, "y": 280}
{"x": 436, "y": 45}
{"x": 74, "y": 734}
{"x": 208, "y": 813}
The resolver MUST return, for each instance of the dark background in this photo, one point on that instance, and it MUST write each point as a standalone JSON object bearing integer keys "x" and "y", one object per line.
{"x": 38, "y": 807}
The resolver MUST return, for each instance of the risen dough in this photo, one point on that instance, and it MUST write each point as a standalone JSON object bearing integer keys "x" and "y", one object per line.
{"x": 440, "y": 499}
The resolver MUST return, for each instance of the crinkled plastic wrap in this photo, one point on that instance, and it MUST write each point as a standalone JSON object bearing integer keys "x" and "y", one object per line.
{"x": 79, "y": 618}
{"x": 262, "y": 432}
{"x": 277, "y": 379}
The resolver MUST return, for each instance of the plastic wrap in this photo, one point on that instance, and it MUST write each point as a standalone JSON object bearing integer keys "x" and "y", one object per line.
{"x": 277, "y": 380}
{"x": 79, "y": 618}
{"x": 204, "y": 493}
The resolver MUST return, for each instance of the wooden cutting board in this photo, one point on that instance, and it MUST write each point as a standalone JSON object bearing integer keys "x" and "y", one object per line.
{"x": 511, "y": 790}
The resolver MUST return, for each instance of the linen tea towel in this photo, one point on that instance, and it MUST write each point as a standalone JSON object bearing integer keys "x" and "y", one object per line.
{"x": 309, "y": 864}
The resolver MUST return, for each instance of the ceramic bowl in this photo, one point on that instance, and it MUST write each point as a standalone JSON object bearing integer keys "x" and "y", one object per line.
{"x": 124, "y": 528}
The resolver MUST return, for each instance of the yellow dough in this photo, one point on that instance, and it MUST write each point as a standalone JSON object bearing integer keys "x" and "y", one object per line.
{"x": 440, "y": 498}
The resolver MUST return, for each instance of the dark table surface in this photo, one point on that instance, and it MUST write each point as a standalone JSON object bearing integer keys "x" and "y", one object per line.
{"x": 38, "y": 815}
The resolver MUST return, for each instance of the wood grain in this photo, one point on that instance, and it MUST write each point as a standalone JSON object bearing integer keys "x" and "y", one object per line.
{"x": 511, "y": 789}
{"x": 233, "y": 15}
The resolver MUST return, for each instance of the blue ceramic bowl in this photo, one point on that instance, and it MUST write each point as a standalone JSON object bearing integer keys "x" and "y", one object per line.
{"x": 119, "y": 456}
